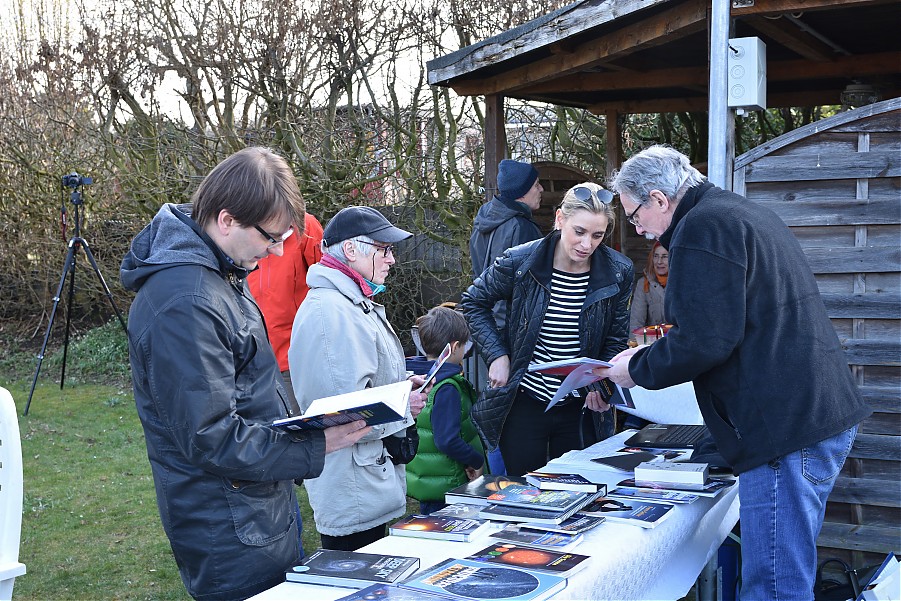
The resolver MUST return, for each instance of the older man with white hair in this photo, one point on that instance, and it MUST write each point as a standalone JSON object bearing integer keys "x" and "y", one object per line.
{"x": 751, "y": 332}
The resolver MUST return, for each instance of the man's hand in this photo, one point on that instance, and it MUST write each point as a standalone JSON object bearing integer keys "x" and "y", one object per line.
{"x": 499, "y": 372}
{"x": 341, "y": 437}
{"x": 619, "y": 373}
{"x": 417, "y": 402}
{"x": 595, "y": 402}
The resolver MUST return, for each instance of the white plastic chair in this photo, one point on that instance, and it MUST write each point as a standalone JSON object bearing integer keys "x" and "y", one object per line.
{"x": 11, "y": 492}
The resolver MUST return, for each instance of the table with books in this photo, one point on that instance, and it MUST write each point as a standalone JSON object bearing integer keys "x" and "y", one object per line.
{"x": 626, "y": 561}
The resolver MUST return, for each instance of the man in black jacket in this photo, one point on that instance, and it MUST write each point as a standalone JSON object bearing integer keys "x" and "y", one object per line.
{"x": 207, "y": 384}
{"x": 751, "y": 332}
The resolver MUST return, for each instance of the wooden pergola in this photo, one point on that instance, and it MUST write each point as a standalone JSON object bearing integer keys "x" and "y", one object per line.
{"x": 618, "y": 57}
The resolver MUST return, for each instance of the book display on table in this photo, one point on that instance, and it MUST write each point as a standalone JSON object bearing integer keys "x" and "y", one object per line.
{"x": 549, "y": 481}
{"x": 711, "y": 488}
{"x": 478, "y": 491}
{"x": 520, "y": 495}
{"x": 391, "y": 592}
{"x": 468, "y": 579}
{"x": 376, "y": 405}
{"x": 652, "y": 494}
{"x": 530, "y": 558}
{"x": 351, "y": 569}
{"x": 508, "y": 513}
{"x": 439, "y": 527}
{"x": 543, "y": 539}
{"x": 670, "y": 472}
{"x": 645, "y": 514}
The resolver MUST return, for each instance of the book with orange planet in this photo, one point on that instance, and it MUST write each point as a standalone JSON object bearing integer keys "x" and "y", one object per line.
{"x": 439, "y": 526}
{"x": 531, "y": 558}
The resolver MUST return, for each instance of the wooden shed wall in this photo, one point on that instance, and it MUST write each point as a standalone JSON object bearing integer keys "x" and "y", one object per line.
{"x": 837, "y": 184}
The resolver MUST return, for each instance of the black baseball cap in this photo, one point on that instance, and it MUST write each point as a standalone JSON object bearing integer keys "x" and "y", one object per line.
{"x": 351, "y": 222}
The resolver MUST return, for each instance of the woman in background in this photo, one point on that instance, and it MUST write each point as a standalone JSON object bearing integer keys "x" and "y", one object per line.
{"x": 647, "y": 302}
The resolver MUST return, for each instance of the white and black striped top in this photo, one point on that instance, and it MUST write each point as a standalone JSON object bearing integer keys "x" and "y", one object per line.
{"x": 559, "y": 335}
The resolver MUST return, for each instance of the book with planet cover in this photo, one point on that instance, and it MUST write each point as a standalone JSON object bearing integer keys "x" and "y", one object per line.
{"x": 468, "y": 579}
{"x": 351, "y": 569}
{"x": 438, "y": 526}
{"x": 519, "y": 495}
{"x": 376, "y": 405}
{"x": 391, "y": 592}
{"x": 531, "y": 558}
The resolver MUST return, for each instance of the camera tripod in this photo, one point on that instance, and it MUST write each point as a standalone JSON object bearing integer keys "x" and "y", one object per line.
{"x": 76, "y": 242}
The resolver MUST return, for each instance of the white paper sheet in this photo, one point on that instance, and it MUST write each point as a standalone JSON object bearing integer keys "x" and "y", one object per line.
{"x": 674, "y": 405}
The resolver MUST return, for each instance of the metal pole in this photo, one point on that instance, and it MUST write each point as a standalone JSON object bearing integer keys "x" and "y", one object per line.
{"x": 717, "y": 158}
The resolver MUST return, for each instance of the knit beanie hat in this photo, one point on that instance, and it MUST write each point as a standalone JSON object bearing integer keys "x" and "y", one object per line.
{"x": 514, "y": 179}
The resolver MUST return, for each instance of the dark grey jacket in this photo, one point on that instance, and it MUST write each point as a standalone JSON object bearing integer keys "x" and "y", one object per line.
{"x": 750, "y": 331}
{"x": 522, "y": 276}
{"x": 206, "y": 385}
{"x": 500, "y": 224}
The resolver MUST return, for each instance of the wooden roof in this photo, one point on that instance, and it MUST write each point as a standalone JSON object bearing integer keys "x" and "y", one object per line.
{"x": 638, "y": 56}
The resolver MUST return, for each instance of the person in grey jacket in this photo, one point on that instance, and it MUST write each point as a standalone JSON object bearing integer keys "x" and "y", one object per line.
{"x": 750, "y": 331}
{"x": 647, "y": 300}
{"x": 207, "y": 384}
{"x": 341, "y": 342}
{"x": 568, "y": 296}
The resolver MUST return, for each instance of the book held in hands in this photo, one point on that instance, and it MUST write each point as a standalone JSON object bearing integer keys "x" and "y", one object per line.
{"x": 351, "y": 569}
{"x": 376, "y": 405}
{"x": 440, "y": 527}
{"x": 468, "y": 579}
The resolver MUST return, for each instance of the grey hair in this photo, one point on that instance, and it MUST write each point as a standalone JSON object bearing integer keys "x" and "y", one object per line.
{"x": 363, "y": 245}
{"x": 656, "y": 168}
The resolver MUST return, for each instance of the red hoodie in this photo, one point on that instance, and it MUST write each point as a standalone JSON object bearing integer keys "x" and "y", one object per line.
{"x": 280, "y": 285}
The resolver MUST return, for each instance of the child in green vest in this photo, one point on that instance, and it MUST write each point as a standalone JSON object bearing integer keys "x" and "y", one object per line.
{"x": 450, "y": 452}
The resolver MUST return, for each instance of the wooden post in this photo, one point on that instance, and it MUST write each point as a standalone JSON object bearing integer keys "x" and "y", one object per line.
{"x": 495, "y": 142}
{"x": 614, "y": 161}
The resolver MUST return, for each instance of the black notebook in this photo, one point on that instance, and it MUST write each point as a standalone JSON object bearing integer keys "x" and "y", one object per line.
{"x": 673, "y": 436}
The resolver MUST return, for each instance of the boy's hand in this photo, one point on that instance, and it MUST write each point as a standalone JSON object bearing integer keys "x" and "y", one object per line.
{"x": 473, "y": 473}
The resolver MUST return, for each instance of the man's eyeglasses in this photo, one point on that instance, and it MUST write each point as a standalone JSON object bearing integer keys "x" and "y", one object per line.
{"x": 584, "y": 193}
{"x": 386, "y": 249}
{"x": 273, "y": 241}
{"x": 631, "y": 216}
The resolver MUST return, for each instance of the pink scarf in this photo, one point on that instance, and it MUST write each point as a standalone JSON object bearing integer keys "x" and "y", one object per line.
{"x": 330, "y": 261}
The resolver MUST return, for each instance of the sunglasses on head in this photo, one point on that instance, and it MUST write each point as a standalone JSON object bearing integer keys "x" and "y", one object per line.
{"x": 584, "y": 194}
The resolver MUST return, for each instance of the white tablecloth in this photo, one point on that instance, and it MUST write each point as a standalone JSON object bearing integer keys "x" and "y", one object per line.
{"x": 628, "y": 562}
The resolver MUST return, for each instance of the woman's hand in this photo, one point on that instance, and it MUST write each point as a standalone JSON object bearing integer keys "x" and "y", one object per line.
{"x": 595, "y": 402}
{"x": 417, "y": 402}
{"x": 499, "y": 372}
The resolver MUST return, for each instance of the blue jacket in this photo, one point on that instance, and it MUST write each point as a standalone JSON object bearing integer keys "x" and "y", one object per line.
{"x": 206, "y": 386}
{"x": 750, "y": 331}
{"x": 522, "y": 276}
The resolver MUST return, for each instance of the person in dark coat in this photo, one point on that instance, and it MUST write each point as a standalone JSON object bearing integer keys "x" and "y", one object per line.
{"x": 568, "y": 296}
{"x": 751, "y": 332}
{"x": 207, "y": 384}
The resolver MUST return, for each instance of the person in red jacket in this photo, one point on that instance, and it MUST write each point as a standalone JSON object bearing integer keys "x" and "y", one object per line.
{"x": 280, "y": 285}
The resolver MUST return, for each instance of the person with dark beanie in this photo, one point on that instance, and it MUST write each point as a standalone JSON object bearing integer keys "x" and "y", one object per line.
{"x": 503, "y": 222}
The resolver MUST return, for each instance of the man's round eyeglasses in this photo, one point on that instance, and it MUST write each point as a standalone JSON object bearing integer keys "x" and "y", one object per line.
{"x": 386, "y": 249}
{"x": 273, "y": 241}
{"x": 584, "y": 193}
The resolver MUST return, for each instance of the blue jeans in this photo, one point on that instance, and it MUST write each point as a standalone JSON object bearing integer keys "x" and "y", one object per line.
{"x": 783, "y": 503}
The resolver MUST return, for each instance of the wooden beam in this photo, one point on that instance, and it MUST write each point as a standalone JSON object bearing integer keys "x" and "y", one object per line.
{"x": 875, "y": 539}
{"x": 495, "y": 142}
{"x": 775, "y": 7}
{"x": 677, "y": 22}
{"x": 792, "y": 37}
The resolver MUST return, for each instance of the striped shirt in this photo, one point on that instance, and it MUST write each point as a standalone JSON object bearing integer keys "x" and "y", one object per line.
{"x": 559, "y": 335}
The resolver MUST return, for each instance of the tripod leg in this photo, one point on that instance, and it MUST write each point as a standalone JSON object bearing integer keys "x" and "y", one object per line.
{"x": 62, "y": 373}
{"x": 67, "y": 265}
{"x": 106, "y": 290}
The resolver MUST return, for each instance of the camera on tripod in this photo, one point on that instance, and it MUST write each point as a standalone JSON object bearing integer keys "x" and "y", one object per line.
{"x": 74, "y": 180}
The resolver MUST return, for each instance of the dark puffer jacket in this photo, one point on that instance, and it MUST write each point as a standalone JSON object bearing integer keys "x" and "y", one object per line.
{"x": 522, "y": 276}
{"x": 206, "y": 386}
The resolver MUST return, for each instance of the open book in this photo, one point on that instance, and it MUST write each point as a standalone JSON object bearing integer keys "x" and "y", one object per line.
{"x": 578, "y": 373}
{"x": 376, "y": 405}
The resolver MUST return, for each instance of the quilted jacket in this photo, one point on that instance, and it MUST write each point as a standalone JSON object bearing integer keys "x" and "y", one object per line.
{"x": 522, "y": 276}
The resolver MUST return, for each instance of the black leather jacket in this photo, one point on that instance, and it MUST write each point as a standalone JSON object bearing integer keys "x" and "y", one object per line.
{"x": 522, "y": 276}
{"x": 207, "y": 385}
